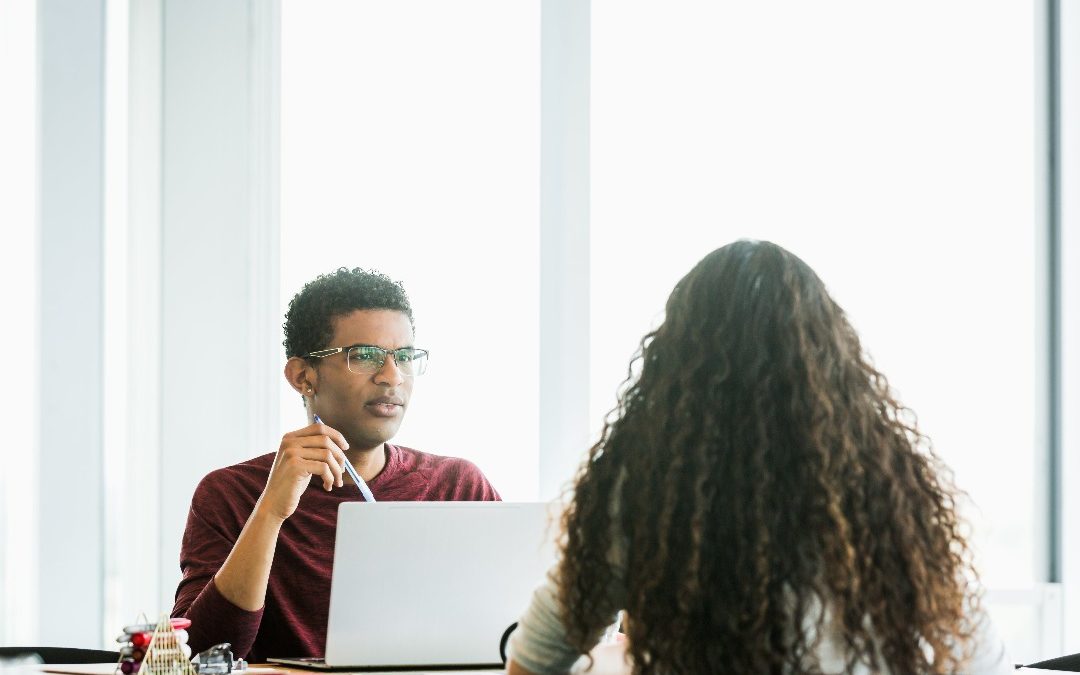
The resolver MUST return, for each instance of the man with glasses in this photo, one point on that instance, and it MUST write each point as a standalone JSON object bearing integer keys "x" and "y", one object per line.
{"x": 257, "y": 553}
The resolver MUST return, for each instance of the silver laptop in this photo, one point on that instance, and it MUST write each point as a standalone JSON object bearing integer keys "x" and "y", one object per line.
{"x": 431, "y": 584}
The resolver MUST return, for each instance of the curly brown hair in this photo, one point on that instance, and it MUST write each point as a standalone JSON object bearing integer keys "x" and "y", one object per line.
{"x": 765, "y": 481}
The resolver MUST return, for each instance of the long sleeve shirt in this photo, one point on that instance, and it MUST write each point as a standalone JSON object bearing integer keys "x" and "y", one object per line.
{"x": 293, "y": 620}
{"x": 539, "y": 644}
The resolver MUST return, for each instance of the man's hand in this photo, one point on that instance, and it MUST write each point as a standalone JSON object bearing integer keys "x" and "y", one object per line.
{"x": 315, "y": 450}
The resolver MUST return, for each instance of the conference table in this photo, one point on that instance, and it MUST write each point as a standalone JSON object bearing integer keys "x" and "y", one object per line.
{"x": 108, "y": 669}
{"x": 607, "y": 661}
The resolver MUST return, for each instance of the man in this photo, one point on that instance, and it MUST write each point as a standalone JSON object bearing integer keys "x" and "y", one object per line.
{"x": 258, "y": 549}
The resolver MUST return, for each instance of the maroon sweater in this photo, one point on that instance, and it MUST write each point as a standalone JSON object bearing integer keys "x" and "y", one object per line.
{"x": 293, "y": 620}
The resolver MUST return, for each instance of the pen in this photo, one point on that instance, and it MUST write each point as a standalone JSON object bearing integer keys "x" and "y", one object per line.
{"x": 364, "y": 489}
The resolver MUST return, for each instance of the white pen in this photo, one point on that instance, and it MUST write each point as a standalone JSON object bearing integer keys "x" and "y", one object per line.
{"x": 364, "y": 489}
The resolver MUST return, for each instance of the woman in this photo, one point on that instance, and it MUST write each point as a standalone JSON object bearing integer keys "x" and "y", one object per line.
{"x": 760, "y": 503}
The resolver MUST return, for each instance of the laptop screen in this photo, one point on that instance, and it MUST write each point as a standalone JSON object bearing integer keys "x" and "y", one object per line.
{"x": 433, "y": 583}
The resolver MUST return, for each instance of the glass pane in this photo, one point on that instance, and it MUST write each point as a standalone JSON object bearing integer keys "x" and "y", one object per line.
{"x": 410, "y": 144}
{"x": 891, "y": 146}
{"x": 18, "y": 294}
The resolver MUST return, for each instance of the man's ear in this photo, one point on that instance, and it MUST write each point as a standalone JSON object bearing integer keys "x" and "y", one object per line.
{"x": 301, "y": 376}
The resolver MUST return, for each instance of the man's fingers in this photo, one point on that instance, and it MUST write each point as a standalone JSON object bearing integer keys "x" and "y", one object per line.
{"x": 333, "y": 433}
{"x": 334, "y": 462}
{"x": 330, "y": 455}
{"x": 317, "y": 449}
{"x": 318, "y": 443}
{"x": 319, "y": 468}
{"x": 341, "y": 458}
{"x": 319, "y": 429}
{"x": 328, "y": 451}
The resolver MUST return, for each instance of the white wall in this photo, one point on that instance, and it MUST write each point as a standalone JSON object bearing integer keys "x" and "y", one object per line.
{"x": 406, "y": 147}
{"x": 133, "y": 312}
{"x": 564, "y": 241}
{"x": 185, "y": 171}
{"x": 70, "y": 498}
{"x": 19, "y": 296}
{"x": 218, "y": 272}
{"x": 1069, "y": 115}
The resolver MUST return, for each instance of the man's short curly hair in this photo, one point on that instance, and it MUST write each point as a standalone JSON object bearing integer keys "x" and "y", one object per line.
{"x": 309, "y": 319}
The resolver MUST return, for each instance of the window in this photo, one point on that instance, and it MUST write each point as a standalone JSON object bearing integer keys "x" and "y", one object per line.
{"x": 19, "y": 288}
{"x": 892, "y": 147}
{"x": 410, "y": 144}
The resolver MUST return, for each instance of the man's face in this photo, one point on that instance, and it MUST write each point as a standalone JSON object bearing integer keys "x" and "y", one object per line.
{"x": 366, "y": 407}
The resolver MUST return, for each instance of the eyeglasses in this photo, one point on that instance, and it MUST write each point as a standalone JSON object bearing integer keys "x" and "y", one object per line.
{"x": 368, "y": 359}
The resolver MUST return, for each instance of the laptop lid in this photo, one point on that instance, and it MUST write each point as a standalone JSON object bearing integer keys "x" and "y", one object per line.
{"x": 432, "y": 583}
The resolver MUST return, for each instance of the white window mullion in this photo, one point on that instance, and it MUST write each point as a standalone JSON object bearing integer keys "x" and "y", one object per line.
{"x": 133, "y": 315}
{"x": 264, "y": 227}
{"x": 19, "y": 292}
{"x": 70, "y": 482}
{"x": 1069, "y": 299}
{"x": 564, "y": 241}
{"x": 118, "y": 526}
{"x": 216, "y": 229}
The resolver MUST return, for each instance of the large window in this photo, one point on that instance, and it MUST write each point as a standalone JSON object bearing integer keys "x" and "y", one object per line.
{"x": 896, "y": 163}
{"x": 892, "y": 147}
{"x": 894, "y": 153}
{"x": 18, "y": 291}
{"x": 410, "y": 144}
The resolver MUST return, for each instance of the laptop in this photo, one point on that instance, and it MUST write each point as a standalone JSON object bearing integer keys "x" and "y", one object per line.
{"x": 452, "y": 578}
